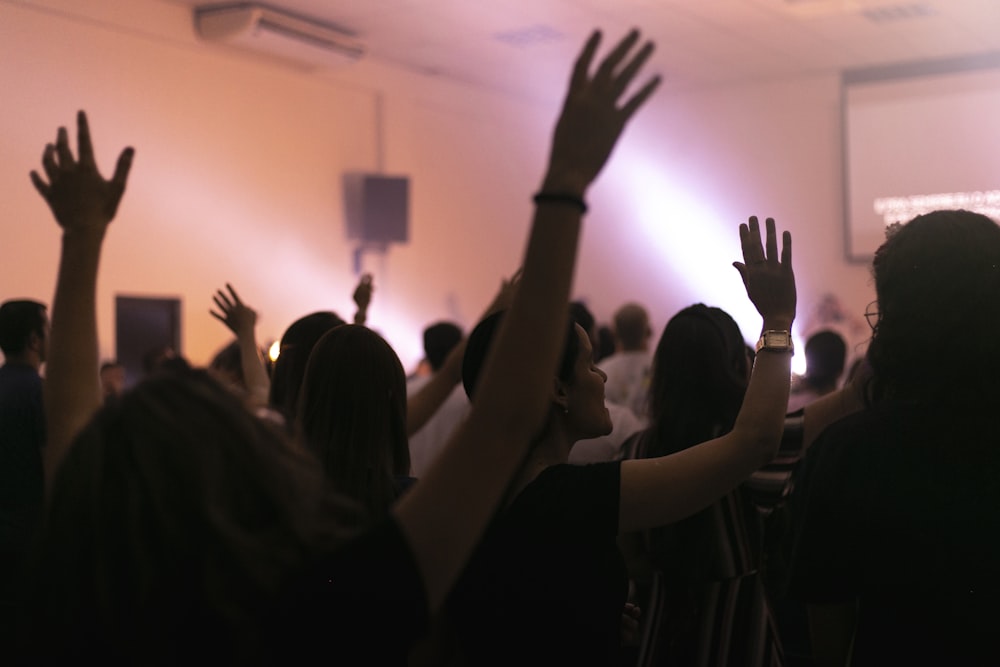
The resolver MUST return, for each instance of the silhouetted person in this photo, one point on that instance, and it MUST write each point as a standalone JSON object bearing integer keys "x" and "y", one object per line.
{"x": 628, "y": 369}
{"x": 895, "y": 507}
{"x": 711, "y": 606}
{"x": 352, "y": 416}
{"x": 24, "y": 332}
{"x": 112, "y": 377}
{"x": 547, "y": 584}
{"x": 178, "y": 523}
{"x": 439, "y": 339}
{"x": 826, "y": 354}
{"x": 286, "y": 375}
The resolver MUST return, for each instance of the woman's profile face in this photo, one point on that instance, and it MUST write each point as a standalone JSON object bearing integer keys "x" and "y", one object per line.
{"x": 588, "y": 416}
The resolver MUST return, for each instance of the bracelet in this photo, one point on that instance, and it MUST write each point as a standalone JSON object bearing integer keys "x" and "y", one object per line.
{"x": 560, "y": 198}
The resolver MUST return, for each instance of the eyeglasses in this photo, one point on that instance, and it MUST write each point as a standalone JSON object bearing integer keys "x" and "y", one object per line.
{"x": 872, "y": 315}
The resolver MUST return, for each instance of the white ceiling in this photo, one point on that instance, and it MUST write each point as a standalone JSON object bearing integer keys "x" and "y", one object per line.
{"x": 518, "y": 46}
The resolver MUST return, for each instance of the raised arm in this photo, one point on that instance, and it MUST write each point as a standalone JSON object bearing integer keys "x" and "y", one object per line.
{"x": 84, "y": 204}
{"x": 362, "y": 298}
{"x": 661, "y": 490}
{"x": 242, "y": 321}
{"x": 445, "y": 514}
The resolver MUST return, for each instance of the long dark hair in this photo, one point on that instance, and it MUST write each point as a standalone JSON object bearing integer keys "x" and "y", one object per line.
{"x": 699, "y": 377}
{"x": 352, "y": 414}
{"x": 175, "y": 522}
{"x": 296, "y": 344}
{"x": 937, "y": 279}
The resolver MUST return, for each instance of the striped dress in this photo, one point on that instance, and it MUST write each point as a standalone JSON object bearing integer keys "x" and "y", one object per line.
{"x": 707, "y": 603}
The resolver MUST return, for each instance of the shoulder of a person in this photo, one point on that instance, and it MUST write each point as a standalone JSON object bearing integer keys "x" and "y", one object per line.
{"x": 19, "y": 368}
{"x": 846, "y": 440}
{"x": 855, "y": 424}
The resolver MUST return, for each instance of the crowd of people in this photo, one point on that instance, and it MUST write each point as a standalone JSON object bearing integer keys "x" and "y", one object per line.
{"x": 547, "y": 492}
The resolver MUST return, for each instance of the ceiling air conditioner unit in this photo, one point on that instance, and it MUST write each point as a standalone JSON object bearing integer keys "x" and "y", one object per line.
{"x": 289, "y": 37}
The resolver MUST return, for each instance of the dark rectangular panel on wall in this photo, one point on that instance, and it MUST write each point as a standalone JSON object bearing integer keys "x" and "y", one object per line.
{"x": 377, "y": 208}
{"x": 144, "y": 327}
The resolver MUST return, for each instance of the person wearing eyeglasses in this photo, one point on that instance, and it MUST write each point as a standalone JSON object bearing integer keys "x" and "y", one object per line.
{"x": 897, "y": 533}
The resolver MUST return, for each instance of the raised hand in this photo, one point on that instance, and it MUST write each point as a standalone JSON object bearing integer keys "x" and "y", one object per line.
{"x": 362, "y": 298}
{"x": 363, "y": 292}
{"x": 242, "y": 321}
{"x": 592, "y": 118}
{"x": 514, "y": 389}
{"x": 232, "y": 312}
{"x": 80, "y": 198}
{"x": 769, "y": 280}
{"x": 83, "y": 203}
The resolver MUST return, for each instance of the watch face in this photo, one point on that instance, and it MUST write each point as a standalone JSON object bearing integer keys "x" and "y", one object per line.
{"x": 777, "y": 339}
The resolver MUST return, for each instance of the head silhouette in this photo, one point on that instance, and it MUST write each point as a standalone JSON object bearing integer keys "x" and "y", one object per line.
{"x": 439, "y": 339}
{"x": 937, "y": 280}
{"x": 352, "y": 414}
{"x": 826, "y": 354}
{"x": 23, "y": 327}
{"x": 290, "y": 366}
{"x": 632, "y": 327}
{"x": 700, "y": 374}
{"x": 175, "y": 519}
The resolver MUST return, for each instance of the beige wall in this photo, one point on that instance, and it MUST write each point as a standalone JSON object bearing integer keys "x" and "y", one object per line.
{"x": 238, "y": 165}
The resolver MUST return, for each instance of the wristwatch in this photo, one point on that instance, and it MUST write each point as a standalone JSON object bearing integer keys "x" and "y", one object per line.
{"x": 776, "y": 340}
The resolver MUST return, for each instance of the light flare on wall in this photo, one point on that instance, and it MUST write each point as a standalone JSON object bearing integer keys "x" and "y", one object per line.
{"x": 692, "y": 240}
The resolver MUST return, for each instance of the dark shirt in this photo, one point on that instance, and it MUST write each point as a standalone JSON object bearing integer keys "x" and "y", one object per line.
{"x": 898, "y": 507}
{"x": 362, "y": 603}
{"x": 22, "y": 486}
{"x": 366, "y": 599}
{"x": 22, "y": 436}
{"x": 548, "y": 585}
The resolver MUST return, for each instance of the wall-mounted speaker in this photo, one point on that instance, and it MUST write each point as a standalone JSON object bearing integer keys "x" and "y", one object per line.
{"x": 377, "y": 208}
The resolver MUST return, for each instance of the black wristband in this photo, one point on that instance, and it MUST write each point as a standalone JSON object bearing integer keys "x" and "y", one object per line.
{"x": 560, "y": 198}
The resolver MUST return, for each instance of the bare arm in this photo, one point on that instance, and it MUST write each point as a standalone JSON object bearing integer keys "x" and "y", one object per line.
{"x": 84, "y": 204}
{"x": 445, "y": 514}
{"x": 661, "y": 490}
{"x": 242, "y": 321}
